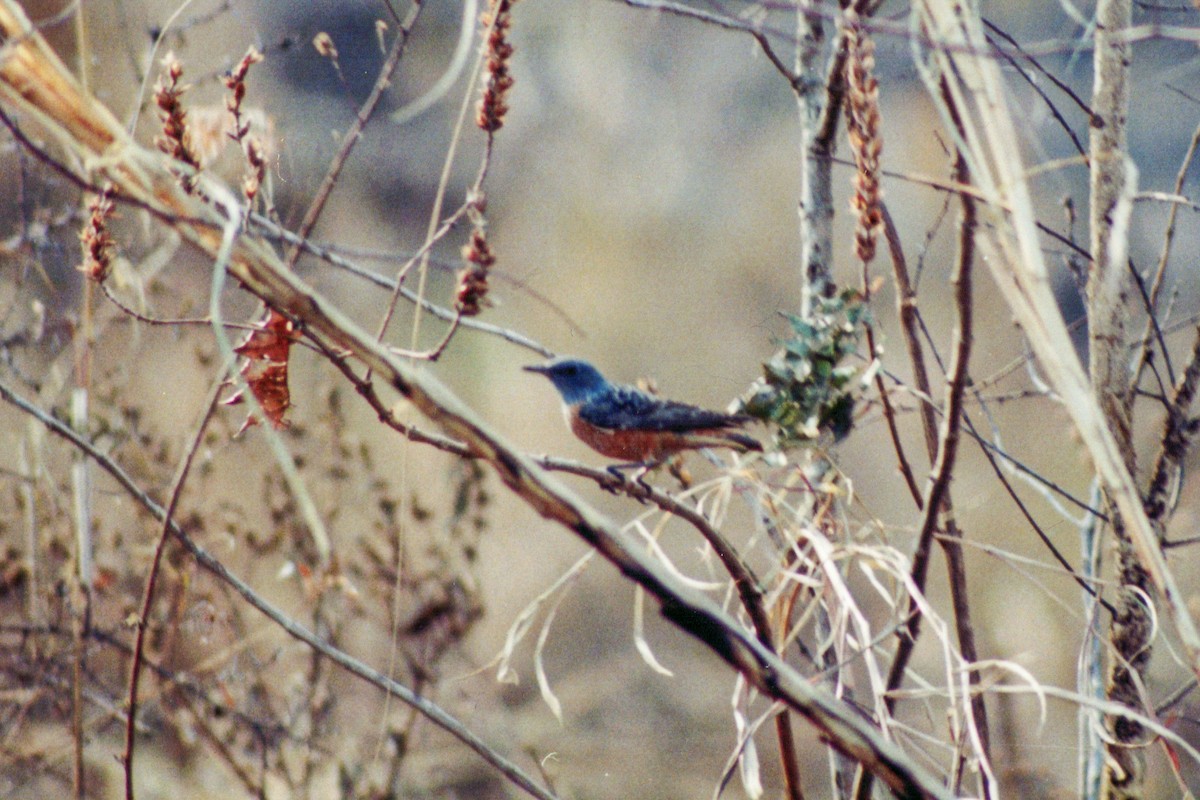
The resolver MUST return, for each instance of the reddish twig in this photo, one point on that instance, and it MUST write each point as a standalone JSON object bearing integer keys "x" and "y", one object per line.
{"x": 936, "y": 505}
{"x": 142, "y": 622}
{"x": 907, "y": 302}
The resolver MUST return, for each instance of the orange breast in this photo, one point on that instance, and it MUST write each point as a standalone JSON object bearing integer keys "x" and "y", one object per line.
{"x": 629, "y": 445}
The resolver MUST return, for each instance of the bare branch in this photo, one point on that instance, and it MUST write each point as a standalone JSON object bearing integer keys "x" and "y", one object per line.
{"x": 135, "y": 669}
{"x": 213, "y": 565}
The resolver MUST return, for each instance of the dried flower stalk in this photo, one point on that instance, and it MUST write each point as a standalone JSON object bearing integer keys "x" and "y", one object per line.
{"x": 175, "y": 140}
{"x": 96, "y": 239}
{"x": 862, "y": 128}
{"x": 473, "y": 278}
{"x": 256, "y": 162}
{"x": 493, "y": 104}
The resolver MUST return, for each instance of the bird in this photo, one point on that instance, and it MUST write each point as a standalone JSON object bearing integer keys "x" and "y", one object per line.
{"x": 625, "y": 423}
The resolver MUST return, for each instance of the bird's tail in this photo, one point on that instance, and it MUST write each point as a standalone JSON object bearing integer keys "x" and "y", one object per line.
{"x": 718, "y": 438}
{"x": 742, "y": 442}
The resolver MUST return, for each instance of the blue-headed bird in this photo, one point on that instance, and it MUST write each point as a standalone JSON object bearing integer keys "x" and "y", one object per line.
{"x": 625, "y": 423}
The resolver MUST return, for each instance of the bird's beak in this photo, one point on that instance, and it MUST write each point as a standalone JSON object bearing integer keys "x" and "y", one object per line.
{"x": 539, "y": 368}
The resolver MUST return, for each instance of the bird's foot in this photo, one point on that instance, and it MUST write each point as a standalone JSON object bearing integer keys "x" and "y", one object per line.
{"x": 616, "y": 481}
{"x": 634, "y": 485}
{"x": 640, "y": 479}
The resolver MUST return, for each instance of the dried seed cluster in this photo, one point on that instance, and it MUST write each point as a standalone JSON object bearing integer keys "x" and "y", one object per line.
{"x": 862, "y": 128}
{"x": 493, "y": 105}
{"x": 252, "y": 146}
{"x": 175, "y": 140}
{"x": 95, "y": 238}
{"x": 473, "y": 278}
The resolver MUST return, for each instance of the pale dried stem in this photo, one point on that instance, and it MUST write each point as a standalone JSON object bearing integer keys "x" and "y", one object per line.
{"x": 1108, "y": 278}
{"x": 1113, "y": 182}
{"x": 818, "y": 103}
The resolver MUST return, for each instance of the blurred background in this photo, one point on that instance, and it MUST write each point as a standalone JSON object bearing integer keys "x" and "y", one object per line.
{"x": 642, "y": 204}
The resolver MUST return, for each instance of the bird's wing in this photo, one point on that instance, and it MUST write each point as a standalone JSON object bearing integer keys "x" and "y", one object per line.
{"x": 626, "y": 408}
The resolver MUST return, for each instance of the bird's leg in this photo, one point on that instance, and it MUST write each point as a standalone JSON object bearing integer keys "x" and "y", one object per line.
{"x": 618, "y": 477}
{"x": 616, "y": 469}
{"x": 638, "y": 478}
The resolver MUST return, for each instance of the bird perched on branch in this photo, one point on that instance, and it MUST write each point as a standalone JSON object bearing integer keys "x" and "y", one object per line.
{"x": 640, "y": 429}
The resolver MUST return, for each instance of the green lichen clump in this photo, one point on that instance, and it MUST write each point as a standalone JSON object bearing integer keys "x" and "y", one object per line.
{"x": 811, "y": 384}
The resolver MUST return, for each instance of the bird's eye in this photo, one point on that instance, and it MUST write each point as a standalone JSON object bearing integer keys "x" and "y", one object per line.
{"x": 570, "y": 369}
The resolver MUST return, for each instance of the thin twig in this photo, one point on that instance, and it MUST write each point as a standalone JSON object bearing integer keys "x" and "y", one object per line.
{"x": 184, "y": 683}
{"x": 135, "y": 669}
{"x": 1018, "y": 51}
{"x": 278, "y": 233}
{"x": 382, "y": 82}
{"x": 992, "y": 447}
{"x": 906, "y": 302}
{"x": 435, "y": 352}
{"x": 728, "y": 23}
{"x": 961, "y": 280}
{"x": 1041, "y": 534}
{"x": 906, "y": 309}
{"x": 936, "y": 504}
{"x": 445, "y": 265}
{"x": 1033, "y": 84}
{"x": 173, "y": 323}
{"x": 1154, "y": 331}
{"x": 474, "y": 201}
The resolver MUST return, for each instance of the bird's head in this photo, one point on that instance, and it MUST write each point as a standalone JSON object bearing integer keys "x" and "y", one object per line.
{"x": 576, "y": 380}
